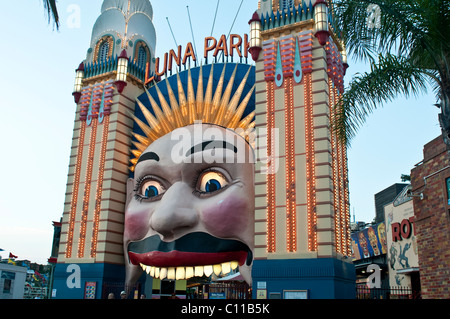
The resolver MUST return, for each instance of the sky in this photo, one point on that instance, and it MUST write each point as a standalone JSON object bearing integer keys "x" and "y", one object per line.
{"x": 37, "y": 112}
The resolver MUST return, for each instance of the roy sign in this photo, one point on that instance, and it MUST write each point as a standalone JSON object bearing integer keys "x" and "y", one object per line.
{"x": 403, "y": 230}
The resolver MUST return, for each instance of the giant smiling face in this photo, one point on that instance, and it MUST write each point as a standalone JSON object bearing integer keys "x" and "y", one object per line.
{"x": 190, "y": 206}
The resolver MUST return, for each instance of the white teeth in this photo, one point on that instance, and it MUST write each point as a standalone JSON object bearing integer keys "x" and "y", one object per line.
{"x": 162, "y": 273}
{"x": 189, "y": 272}
{"x": 208, "y": 270}
{"x": 217, "y": 269}
{"x": 181, "y": 273}
{"x": 226, "y": 268}
{"x": 171, "y": 273}
{"x": 145, "y": 268}
{"x": 198, "y": 271}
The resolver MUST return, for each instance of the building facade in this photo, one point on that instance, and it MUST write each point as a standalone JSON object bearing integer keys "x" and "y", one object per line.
{"x": 430, "y": 185}
{"x": 401, "y": 243}
{"x": 301, "y": 221}
{"x": 108, "y": 82}
{"x": 386, "y": 196}
{"x": 302, "y": 228}
{"x": 12, "y": 281}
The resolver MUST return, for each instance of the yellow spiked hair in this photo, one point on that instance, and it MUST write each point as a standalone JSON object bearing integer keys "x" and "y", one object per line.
{"x": 217, "y": 108}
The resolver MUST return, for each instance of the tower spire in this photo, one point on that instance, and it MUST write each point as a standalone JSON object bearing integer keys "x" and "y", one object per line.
{"x": 311, "y": 179}
{"x": 107, "y": 83}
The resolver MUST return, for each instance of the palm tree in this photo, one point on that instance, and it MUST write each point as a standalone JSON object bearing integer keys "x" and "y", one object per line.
{"x": 52, "y": 12}
{"x": 407, "y": 45}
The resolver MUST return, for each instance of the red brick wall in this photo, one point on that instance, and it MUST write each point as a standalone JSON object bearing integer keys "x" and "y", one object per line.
{"x": 432, "y": 220}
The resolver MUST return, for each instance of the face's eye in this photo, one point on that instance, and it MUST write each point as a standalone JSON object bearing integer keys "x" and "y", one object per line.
{"x": 211, "y": 181}
{"x": 151, "y": 188}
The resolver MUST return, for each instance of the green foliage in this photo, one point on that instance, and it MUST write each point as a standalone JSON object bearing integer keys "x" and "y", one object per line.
{"x": 52, "y": 12}
{"x": 406, "y": 44}
{"x": 405, "y": 178}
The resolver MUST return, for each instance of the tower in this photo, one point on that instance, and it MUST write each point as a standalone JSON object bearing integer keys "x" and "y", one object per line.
{"x": 302, "y": 218}
{"x": 107, "y": 83}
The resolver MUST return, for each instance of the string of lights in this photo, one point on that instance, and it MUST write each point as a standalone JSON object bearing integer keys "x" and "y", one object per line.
{"x": 98, "y": 196}
{"x": 291, "y": 204}
{"x": 310, "y": 165}
{"x": 271, "y": 210}
{"x": 87, "y": 189}
{"x": 75, "y": 189}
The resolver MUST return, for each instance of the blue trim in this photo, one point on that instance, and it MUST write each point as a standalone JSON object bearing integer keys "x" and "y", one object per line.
{"x": 294, "y": 14}
{"x": 326, "y": 278}
{"x": 100, "y": 273}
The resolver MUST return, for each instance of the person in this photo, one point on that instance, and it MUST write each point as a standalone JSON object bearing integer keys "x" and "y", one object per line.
{"x": 174, "y": 296}
{"x": 111, "y": 295}
{"x": 123, "y": 295}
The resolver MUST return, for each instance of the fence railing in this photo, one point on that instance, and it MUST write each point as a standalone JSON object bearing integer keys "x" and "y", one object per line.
{"x": 230, "y": 290}
{"x": 92, "y": 69}
{"x": 363, "y": 292}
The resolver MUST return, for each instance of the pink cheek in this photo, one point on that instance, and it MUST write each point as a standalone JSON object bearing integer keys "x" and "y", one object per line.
{"x": 227, "y": 217}
{"x": 136, "y": 223}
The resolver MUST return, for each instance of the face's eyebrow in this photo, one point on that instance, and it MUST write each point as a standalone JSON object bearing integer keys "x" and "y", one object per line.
{"x": 209, "y": 145}
{"x": 148, "y": 156}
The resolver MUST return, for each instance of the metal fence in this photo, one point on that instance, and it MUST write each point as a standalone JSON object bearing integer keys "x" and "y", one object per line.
{"x": 363, "y": 292}
{"x": 92, "y": 69}
{"x": 230, "y": 290}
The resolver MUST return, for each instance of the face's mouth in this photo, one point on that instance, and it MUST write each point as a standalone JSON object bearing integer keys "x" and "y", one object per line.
{"x": 193, "y": 255}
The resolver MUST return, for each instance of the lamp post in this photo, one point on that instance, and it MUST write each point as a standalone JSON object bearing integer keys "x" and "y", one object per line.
{"x": 79, "y": 75}
{"x": 255, "y": 36}
{"x": 321, "y": 21}
{"x": 122, "y": 70}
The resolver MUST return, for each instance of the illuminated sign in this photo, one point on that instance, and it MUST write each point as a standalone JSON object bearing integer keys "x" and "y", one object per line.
{"x": 369, "y": 242}
{"x": 225, "y": 47}
{"x": 403, "y": 230}
{"x": 89, "y": 290}
{"x": 447, "y": 183}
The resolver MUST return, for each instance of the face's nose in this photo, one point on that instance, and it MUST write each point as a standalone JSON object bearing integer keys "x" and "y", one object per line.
{"x": 175, "y": 212}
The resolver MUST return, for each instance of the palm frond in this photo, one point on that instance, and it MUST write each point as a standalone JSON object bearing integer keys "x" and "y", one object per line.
{"x": 411, "y": 44}
{"x": 390, "y": 77}
{"x": 52, "y": 12}
{"x": 402, "y": 26}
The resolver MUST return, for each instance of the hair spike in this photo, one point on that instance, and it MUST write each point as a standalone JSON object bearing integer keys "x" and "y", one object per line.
{"x": 208, "y": 106}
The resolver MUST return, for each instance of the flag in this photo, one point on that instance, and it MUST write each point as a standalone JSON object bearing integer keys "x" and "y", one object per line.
{"x": 12, "y": 256}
